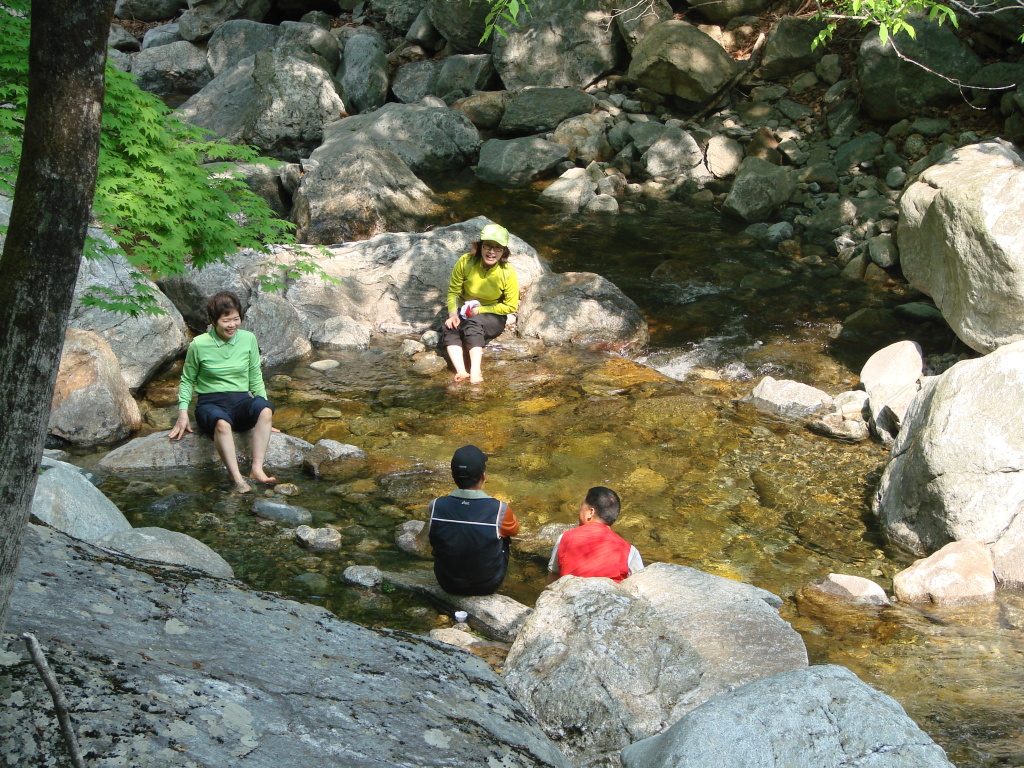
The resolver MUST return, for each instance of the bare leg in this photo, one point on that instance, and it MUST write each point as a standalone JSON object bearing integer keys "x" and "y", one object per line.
{"x": 476, "y": 355}
{"x": 224, "y": 441}
{"x": 260, "y": 441}
{"x": 455, "y": 354}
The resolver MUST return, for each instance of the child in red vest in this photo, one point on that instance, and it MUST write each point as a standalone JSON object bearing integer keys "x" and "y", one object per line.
{"x": 592, "y": 549}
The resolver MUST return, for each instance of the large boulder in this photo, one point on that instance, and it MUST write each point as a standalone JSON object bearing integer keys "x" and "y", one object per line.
{"x": 222, "y": 106}
{"x": 91, "y": 402}
{"x": 582, "y": 308}
{"x": 570, "y": 192}
{"x": 586, "y": 137}
{"x": 891, "y": 377}
{"x": 360, "y": 192}
{"x": 956, "y": 472}
{"x": 674, "y": 154}
{"x": 655, "y": 648}
{"x": 65, "y": 499}
{"x": 400, "y": 14}
{"x": 461, "y": 75}
{"x": 961, "y": 241}
{"x": 292, "y": 101}
{"x": 804, "y": 718}
{"x": 157, "y": 451}
{"x": 364, "y": 73}
{"x": 148, "y": 10}
{"x": 231, "y": 675}
{"x": 723, "y": 11}
{"x": 415, "y": 80}
{"x": 960, "y": 572}
{"x": 165, "y": 546}
{"x": 789, "y": 399}
{"x": 310, "y": 42}
{"x": 282, "y": 337}
{"x": 518, "y": 162}
{"x": 634, "y": 22}
{"x": 569, "y": 45}
{"x": 236, "y": 40}
{"x": 203, "y": 17}
{"x": 460, "y": 22}
{"x": 484, "y": 109}
{"x": 894, "y": 86}
{"x": 191, "y": 289}
{"x": 759, "y": 189}
{"x": 175, "y": 68}
{"x": 677, "y": 59}
{"x": 789, "y": 48}
{"x": 427, "y": 139}
{"x": 536, "y": 110}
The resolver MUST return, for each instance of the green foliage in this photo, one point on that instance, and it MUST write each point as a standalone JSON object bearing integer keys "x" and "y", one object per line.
{"x": 502, "y": 10}
{"x": 890, "y": 16}
{"x": 166, "y": 192}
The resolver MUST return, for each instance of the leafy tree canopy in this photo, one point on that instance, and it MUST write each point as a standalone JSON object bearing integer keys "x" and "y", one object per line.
{"x": 164, "y": 208}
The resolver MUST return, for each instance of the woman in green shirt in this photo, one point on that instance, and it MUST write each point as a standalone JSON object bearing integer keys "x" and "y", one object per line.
{"x": 223, "y": 367}
{"x": 482, "y": 293}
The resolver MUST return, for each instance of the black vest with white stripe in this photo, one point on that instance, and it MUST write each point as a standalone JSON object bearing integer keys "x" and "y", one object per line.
{"x": 470, "y": 556}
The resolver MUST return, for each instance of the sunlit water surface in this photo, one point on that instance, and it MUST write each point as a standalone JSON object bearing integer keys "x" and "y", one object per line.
{"x": 706, "y": 480}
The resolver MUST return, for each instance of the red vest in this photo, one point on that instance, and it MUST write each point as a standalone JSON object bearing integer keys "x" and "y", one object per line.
{"x": 593, "y": 550}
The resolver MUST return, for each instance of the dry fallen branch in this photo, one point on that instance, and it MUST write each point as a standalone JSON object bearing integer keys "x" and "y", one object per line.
{"x": 59, "y": 703}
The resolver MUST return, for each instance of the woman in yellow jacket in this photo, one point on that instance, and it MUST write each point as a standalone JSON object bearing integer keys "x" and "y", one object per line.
{"x": 482, "y": 293}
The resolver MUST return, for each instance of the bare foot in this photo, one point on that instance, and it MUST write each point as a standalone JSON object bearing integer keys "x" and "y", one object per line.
{"x": 476, "y": 378}
{"x": 461, "y": 377}
{"x": 242, "y": 487}
{"x": 263, "y": 477}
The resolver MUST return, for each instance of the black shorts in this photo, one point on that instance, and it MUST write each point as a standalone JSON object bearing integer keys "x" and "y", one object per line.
{"x": 239, "y": 409}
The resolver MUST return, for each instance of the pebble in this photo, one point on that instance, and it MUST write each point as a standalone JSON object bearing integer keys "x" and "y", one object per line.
{"x": 324, "y": 365}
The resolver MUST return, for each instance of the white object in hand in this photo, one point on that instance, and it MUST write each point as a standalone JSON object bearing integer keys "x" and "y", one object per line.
{"x": 461, "y": 616}
{"x": 464, "y": 310}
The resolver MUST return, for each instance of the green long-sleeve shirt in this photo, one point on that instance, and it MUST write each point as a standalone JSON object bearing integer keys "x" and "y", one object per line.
{"x": 213, "y": 365}
{"x": 497, "y": 289}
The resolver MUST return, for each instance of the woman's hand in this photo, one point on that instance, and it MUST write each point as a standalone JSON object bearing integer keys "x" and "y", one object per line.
{"x": 181, "y": 426}
{"x": 453, "y": 320}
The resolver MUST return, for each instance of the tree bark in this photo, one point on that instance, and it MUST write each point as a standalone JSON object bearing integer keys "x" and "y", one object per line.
{"x": 50, "y": 215}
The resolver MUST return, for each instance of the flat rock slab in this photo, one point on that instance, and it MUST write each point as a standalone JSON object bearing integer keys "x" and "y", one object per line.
{"x": 164, "y": 669}
{"x": 495, "y": 616}
{"x": 156, "y": 451}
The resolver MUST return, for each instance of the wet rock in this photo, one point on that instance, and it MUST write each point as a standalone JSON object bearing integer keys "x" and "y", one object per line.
{"x": 65, "y": 499}
{"x": 428, "y": 364}
{"x": 287, "y": 489}
{"x": 363, "y": 575}
{"x": 790, "y": 399}
{"x": 893, "y": 87}
{"x": 408, "y": 538}
{"x": 156, "y": 451}
{"x": 539, "y": 543}
{"x": 280, "y": 512}
{"x": 318, "y": 539}
{"x": 364, "y": 73}
{"x": 759, "y": 189}
{"x": 536, "y": 110}
{"x": 570, "y": 192}
{"x": 518, "y": 162}
{"x": 602, "y": 204}
{"x": 788, "y": 50}
{"x": 91, "y": 402}
{"x": 960, "y": 242}
{"x": 148, "y": 10}
{"x": 203, "y": 17}
{"x": 335, "y": 461}
{"x": 94, "y": 612}
{"x": 559, "y": 44}
{"x": 167, "y": 547}
{"x": 955, "y": 470}
{"x": 842, "y": 589}
{"x": 677, "y": 59}
{"x": 495, "y": 616}
{"x": 848, "y": 419}
{"x": 236, "y": 40}
{"x": 174, "y": 68}
{"x": 324, "y": 365}
{"x": 822, "y": 715}
{"x": 891, "y": 378}
{"x": 222, "y": 106}
{"x": 454, "y": 636}
{"x": 959, "y": 572}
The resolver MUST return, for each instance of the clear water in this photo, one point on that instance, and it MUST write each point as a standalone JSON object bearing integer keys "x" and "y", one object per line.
{"x": 706, "y": 481}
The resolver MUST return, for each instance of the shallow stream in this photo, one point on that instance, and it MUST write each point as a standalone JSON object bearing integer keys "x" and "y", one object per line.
{"x": 706, "y": 480}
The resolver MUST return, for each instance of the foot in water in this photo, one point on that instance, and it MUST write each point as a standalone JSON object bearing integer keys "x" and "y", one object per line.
{"x": 263, "y": 478}
{"x": 242, "y": 487}
{"x": 460, "y": 377}
{"x": 476, "y": 378}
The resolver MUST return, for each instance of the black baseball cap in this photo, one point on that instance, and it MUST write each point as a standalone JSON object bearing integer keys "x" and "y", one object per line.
{"x": 468, "y": 463}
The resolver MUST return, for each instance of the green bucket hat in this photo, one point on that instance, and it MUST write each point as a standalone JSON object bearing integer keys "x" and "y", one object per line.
{"x": 495, "y": 233}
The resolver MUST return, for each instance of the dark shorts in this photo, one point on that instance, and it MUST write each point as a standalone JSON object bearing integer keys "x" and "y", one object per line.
{"x": 474, "y": 332}
{"x": 239, "y": 409}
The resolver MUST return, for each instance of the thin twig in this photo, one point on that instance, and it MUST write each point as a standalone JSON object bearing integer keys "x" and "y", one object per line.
{"x": 59, "y": 703}
{"x": 752, "y": 62}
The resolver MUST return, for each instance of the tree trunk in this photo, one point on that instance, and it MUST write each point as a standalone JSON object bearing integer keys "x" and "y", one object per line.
{"x": 51, "y": 210}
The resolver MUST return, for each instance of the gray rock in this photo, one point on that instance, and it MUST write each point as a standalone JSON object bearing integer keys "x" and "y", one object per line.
{"x": 759, "y": 189}
{"x": 332, "y": 460}
{"x": 845, "y": 590}
{"x": 65, "y": 499}
{"x": 175, "y": 68}
{"x": 674, "y": 154}
{"x": 724, "y": 156}
{"x": 236, "y": 40}
{"x": 364, "y": 73}
{"x": 789, "y": 399}
{"x": 643, "y": 135}
{"x": 535, "y": 110}
{"x": 893, "y": 88}
{"x": 414, "y": 80}
{"x": 280, "y": 512}
{"x": 822, "y": 715}
{"x": 94, "y": 611}
{"x": 570, "y": 192}
{"x": 363, "y": 575}
{"x": 222, "y": 106}
{"x": 409, "y": 539}
{"x": 602, "y": 204}
{"x": 559, "y": 44}
{"x": 463, "y": 74}
{"x": 484, "y": 110}
{"x": 723, "y": 11}
{"x": 793, "y": 110}
{"x": 120, "y": 39}
{"x": 281, "y": 334}
{"x": 422, "y": 31}
{"x": 954, "y": 473}
{"x": 829, "y": 68}
{"x": 788, "y": 50}
{"x": 318, "y": 539}
{"x": 156, "y": 451}
{"x": 581, "y": 308}
{"x": 960, "y": 242}
{"x": 203, "y": 17}
{"x": 859, "y": 150}
{"x": 148, "y": 10}
{"x": 262, "y": 179}
{"x": 586, "y": 137}
{"x": 892, "y": 378}
{"x": 162, "y": 35}
{"x": 634, "y": 22}
{"x": 677, "y": 59}
{"x": 460, "y": 22}
{"x": 896, "y": 178}
{"x": 341, "y": 333}
{"x": 91, "y": 402}
{"x": 518, "y": 162}
{"x": 427, "y": 139}
{"x": 883, "y": 251}
{"x": 192, "y": 289}
{"x": 960, "y": 572}
{"x": 399, "y": 13}
{"x": 165, "y": 546}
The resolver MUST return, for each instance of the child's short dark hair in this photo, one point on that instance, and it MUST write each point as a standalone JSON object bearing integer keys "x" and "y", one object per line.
{"x": 223, "y": 303}
{"x": 605, "y": 502}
